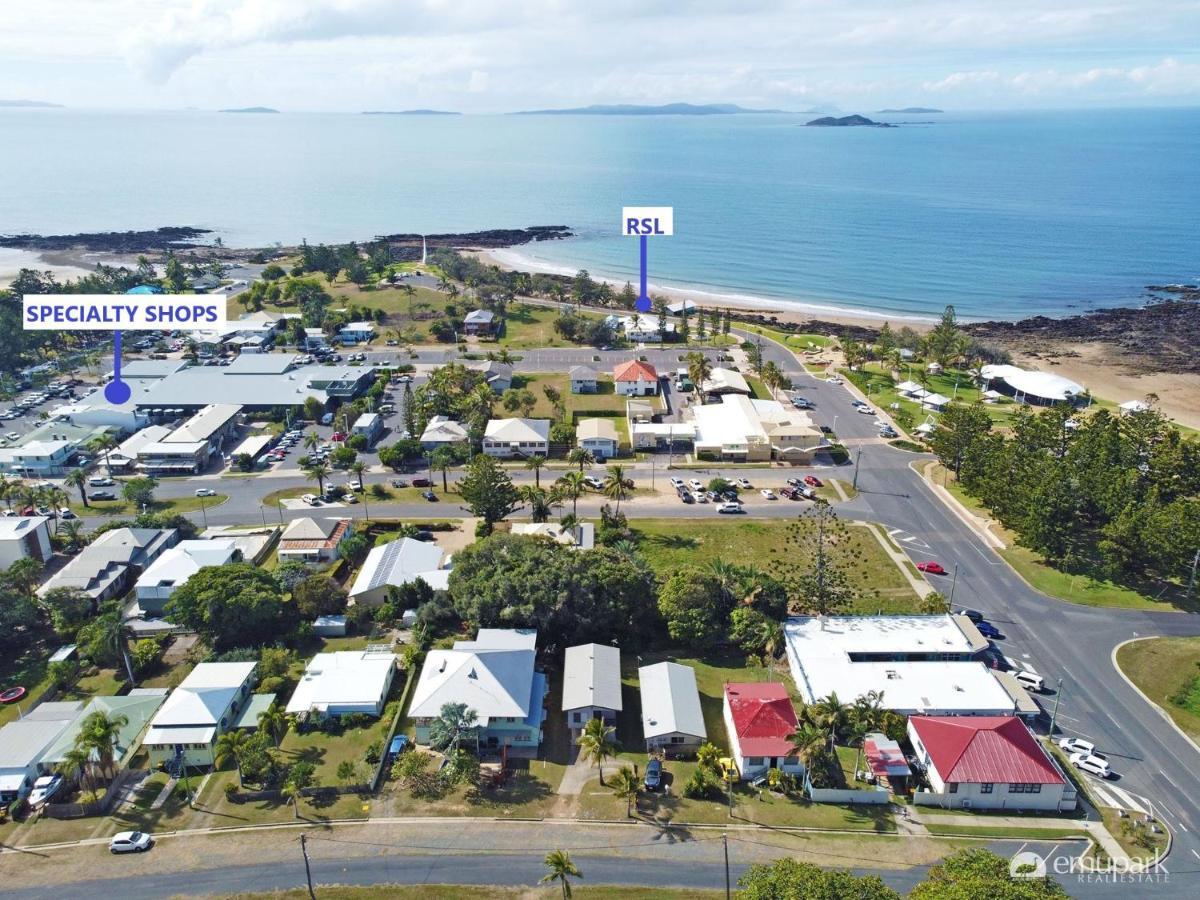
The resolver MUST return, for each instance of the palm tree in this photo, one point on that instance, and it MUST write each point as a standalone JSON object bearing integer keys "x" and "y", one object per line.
{"x": 699, "y": 368}
{"x": 230, "y": 746}
{"x": 572, "y": 486}
{"x": 536, "y": 462}
{"x": 625, "y": 786}
{"x": 772, "y": 377}
{"x": 103, "y": 443}
{"x": 274, "y": 722}
{"x": 77, "y": 478}
{"x": 454, "y": 722}
{"x": 539, "y": 501}
{"x": 358, "y": 467}
{"x": 73, "y": 533}
{"x": 596, "y": 744}
{"x": 99, "y": 734}
{"x": 442, "y": 458}
{"x": 75, "y": 764}
{"x": 318, "y": 472}
{"x": 561, "y": 868}
{"x": 807, "y": 741}
{"x": 311, "y": 440}
{"x": 830, "y": 714}
{"x": 581, "y": 457}
{"x": 292, "y": 793}
{"x": 617, "y": 485}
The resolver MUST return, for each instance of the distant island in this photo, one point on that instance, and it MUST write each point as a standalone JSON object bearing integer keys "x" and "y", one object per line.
{"x": 847, "y": 122}
{"x": 913, "y": 109}
{"x": 667, "y": 109}
{"x": 251, "y": 109}
{"x": 30, "y": 104}
{"x": 410, "y": 112}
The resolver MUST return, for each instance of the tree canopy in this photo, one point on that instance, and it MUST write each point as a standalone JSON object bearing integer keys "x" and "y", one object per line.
{"x": 237, "y": 605}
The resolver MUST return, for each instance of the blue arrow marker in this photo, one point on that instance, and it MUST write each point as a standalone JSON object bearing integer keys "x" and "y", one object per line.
{"x": 643, "y": 300}
{"x": 117, "y": 391}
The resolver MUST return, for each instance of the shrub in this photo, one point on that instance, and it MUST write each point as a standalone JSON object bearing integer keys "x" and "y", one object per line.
{"x": 272, "y": 685}
{"x": 374, "y": 752}
{"x": 700, "y": 786}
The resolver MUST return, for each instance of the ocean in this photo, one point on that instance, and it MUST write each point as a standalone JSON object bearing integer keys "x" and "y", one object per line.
{"x": 1004, "y": 215}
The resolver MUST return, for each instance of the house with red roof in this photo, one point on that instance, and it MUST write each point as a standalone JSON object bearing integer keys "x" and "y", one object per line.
{"x": 635, "y": 379}
{"x": 759, "y": 719}
{"x": 986, "y": 762}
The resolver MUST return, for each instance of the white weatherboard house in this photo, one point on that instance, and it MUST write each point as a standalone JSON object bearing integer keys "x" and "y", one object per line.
{"x": 583, "y": 379}
{"x": 24, "y": 537}
{"x": 635, "y": 379}
{"x": 922, "y": 665}
{"x": 987, "y": 762}
{"x": 591, "y": 685}
{"x": 396, "y": 563}
{"x": 506, "y": 438}
{"x": 205, "y": 705}
{"x": 442, "y": 431}
{"x": 172, "y": 570}
{"x": 344, "y": 682}
{"x": 493, "y": 675}
{"x": 672, "y": 720}
{"x": 598, "y": 436}
{"x": 369, "y": 425}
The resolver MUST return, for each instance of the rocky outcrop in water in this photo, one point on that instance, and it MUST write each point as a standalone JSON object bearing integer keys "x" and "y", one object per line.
{"x": 172, "y": 238}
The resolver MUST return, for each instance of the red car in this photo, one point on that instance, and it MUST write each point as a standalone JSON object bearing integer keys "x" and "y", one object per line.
{"x": 812, "y": 480}
{"x": 931, "y": 567}
{"x": 338, "y": 436}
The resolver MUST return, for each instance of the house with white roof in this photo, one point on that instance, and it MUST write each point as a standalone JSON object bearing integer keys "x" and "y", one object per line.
{"x": 506, "y": 438}
{"x": 479, "y": 321}
{"x": 344, "y": 682}
{"x": 106, "y": 567}
{"x": 205, "y": 705}
{"x": 591, "y": 685}
{"x": 745, "y": 430}
{"x": 310, "y": 540}
{"x": 442, "y": 431}
{"x": 725, "y": 381}
{"x": 599, "y": 436}
{"x": 174, "y": 567}
{"x": 1031, "y": 386}
{"x": 582, "y": 536}
{"x": 188, "y": 448}
{"x": 672, "y": 720}
{"x": 369, "y": 425}
{"x": 356, "y": 332}
{"x": 24, "y": 537}
{"x": 921, "y": 665}
{"x": 37, "y": 458}
{"x": 583, "y": 379}
{"x": 645, "y": 329}
{"x": 494, "y": 676}
{"x": 397, "y": 563}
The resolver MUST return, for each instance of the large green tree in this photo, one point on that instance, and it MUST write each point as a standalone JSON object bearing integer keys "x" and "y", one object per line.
{"x": 790, "y": 879}
{"x": 237, "y": 605}
{"x": 974, "y": 873}
{"x": 695, "y": 608}
{"x": 488, "y": 490}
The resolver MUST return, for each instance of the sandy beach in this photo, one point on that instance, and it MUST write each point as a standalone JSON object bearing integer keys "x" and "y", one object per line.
{"x": 63, "y": 265}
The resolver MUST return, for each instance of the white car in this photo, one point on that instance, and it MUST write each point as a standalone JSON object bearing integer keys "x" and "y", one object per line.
{"x": 744, "y": 483}
{"x": 700, "y": 496}
{"x": 865, "y": 410}
{"x": 12, "y": 436}
{"x": 593, "y": 481}
{"x": 696, "y": 484}
{"x": 310, "y": 499}
{"x": 1077, "y": 745}
{"x": 205, "y": 492}
{"x": 349, "y": 498}
{"x": 65, "y": 513}
{"x": 130, "y": 842}
{"x": 1094, "y": 765}
{"x": 677, "y": 483}
{"x": 730, "y": 508}
{"x": 833, "y": 379}
{"x": 101, "y": 481}
{"x": 768, "y": 493}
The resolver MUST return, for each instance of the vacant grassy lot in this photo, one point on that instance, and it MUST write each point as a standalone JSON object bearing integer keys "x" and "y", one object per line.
{"x": 120, "y": 507}
{"x": 1074, "y": 587}
{"x": 667, "y": 547}
{"x": 328, "y": 751}
{"x": 1168, "y": 671}
{"x": 527, "y": 327}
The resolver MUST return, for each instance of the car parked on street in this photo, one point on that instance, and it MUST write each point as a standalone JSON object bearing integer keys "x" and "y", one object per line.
{"x": 768, "y": 494}
{"x": 1077, "y": 745}
{"x": 205, "y": 492}
{"x": 1031, "y": 680}
{"x": 130, "y": 842}
{"x": 1093, "y": 765}
{"x": 730, "y": 508}
{"x": 812, "y": 481}
{"x": 744, "y": 484}
{"x": 988, "y": 630}
{"x": 422, "y": 483}
{"x": 100, "y": 481}
{"x": 102, "y": 495}
{"x": 932, "y": 568}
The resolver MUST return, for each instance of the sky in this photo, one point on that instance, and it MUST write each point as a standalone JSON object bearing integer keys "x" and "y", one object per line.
{"x": 488, "y": 56}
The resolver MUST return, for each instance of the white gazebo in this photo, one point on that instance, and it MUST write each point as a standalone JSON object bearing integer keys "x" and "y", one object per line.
{"x": 1129, "y": 407}
{"x": 908, "y": 387}
{"x": 934, "y": 401}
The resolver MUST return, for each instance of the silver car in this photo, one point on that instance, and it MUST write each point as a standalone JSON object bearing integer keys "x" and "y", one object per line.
{"x": 130, "y": 842}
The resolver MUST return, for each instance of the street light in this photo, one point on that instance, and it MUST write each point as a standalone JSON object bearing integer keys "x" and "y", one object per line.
{"x": 1054, "y": 715}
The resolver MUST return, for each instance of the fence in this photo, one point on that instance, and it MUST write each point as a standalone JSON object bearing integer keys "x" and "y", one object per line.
{"x": 100, "y": 807}
{"x": 876, "y": 797}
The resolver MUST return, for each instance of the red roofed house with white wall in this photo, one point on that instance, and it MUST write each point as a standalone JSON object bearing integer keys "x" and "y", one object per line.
{"x": 759, "y": 718}
{"x": 635, "y": 379}
{"x": 986, "y": 762}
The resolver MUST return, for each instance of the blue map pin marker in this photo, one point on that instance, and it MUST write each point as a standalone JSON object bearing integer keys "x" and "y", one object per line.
{"x": 117, "y": 391}
{"x": 643, "y": 300}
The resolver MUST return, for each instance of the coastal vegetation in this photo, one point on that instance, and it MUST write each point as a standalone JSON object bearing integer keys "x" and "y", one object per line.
{"x": 1167, "y": 670}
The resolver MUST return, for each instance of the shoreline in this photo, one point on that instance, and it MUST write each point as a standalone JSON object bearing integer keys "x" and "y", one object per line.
{"x": 791, "y": 311}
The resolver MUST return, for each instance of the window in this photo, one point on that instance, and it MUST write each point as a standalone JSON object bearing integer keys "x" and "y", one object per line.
{"x": 1024, "y": 788}
{"x": 952, "y": 787}
{"x": 676, "y": 740}
{"x": 986, "y": 787}
{"x": 752, "y": 761}
{"x": 578, "y": 717}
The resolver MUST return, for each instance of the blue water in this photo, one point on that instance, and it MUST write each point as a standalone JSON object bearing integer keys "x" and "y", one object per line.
{"x": 1003, "y": 215}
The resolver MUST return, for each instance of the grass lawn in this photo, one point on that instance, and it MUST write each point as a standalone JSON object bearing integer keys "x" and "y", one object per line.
{"x": 1137, "y": 840}
{"x": 328, "y": 751}
{"x": 759, "y": 389}
{"x": 764, "y": 544}
{"x": 121, "y": 507}
{"x": 476, "y": 892}
{"x": 1028, "y": 834}
{"x": 1074, "y": 587}
{"x": 528, "y": 327}
{"x": 1168, "y": 672}
{"x": 798, "y": 342}
{"x": 875, "y": 380}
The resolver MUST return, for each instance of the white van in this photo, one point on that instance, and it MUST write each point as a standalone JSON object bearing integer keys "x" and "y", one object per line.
{"x": 1030, "y": 680}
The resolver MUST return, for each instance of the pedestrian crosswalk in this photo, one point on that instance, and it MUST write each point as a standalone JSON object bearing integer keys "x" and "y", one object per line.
{"x": 1019, "y": 664}
{"x": 1111, "y": 795}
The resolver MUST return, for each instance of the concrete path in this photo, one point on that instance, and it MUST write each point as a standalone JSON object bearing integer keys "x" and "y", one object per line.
{"x": 165, "y": 793}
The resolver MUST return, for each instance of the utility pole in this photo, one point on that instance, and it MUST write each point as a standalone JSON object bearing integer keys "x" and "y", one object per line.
{"x": 857, "y": 457}
{"x": 1191, "y": 591}
{"x": 953, "y": 584}
{"x": 307, "y": 870}
{"x": 725, "y": 841}
{"x": 1054, "y": 715}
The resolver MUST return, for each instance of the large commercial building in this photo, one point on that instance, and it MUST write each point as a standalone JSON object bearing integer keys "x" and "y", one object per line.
{"x": 745, "y": 430}
{"x": 920, "y": 665}
{"x": 189, "y": 447}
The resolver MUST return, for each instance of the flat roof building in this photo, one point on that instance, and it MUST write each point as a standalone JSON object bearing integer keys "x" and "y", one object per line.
{"x": 344, "y": 682}
{"x": 739, "y": 428}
